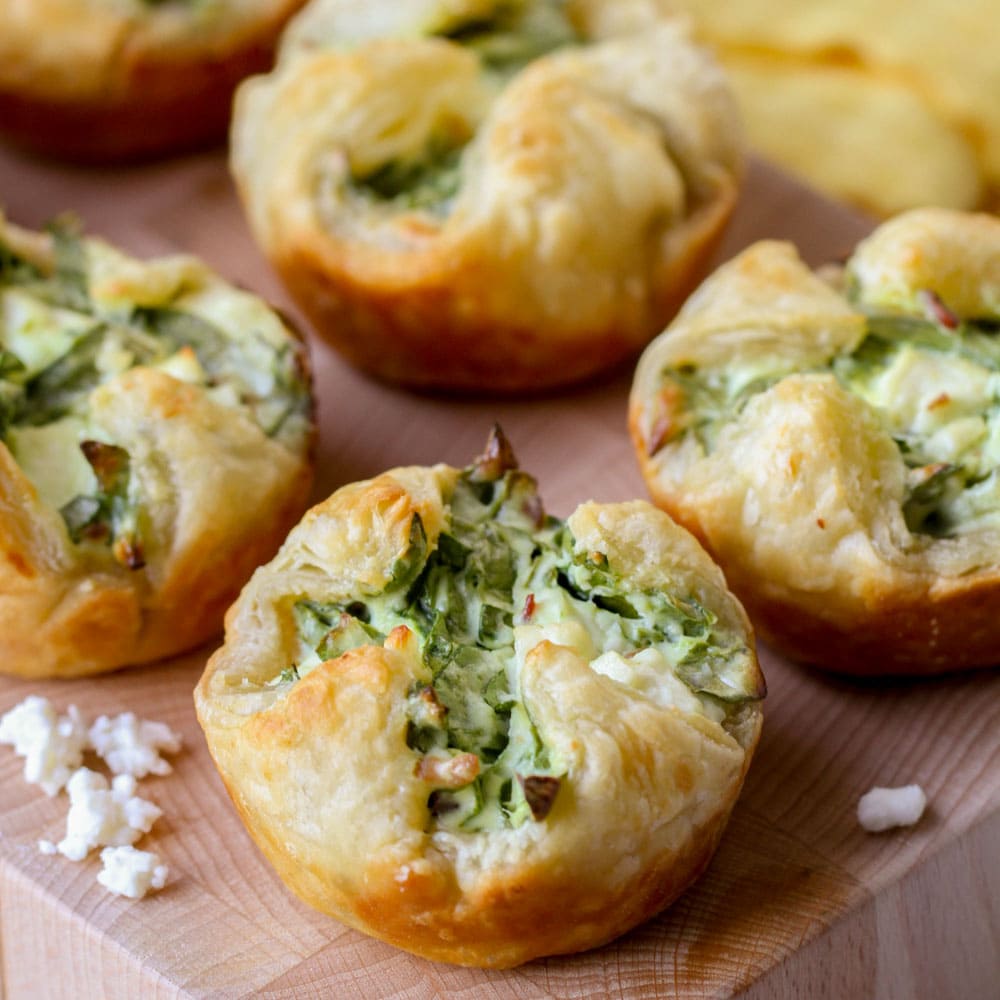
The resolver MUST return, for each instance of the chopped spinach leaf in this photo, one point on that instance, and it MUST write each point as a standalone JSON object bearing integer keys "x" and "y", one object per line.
{"x": 110, "y": 516}
{"x": 70, "y": 265}
{"x": 428, "y": 182}
{"x": 53, "y": 391}
{"x": 515, "y": 35}
{"x": 926, "y": 491}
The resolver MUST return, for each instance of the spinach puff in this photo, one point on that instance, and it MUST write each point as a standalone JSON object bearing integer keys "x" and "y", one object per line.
{"x": 491, "y": 195}
{"x": 834, "y": 439}
{"x": 121, "y": 79}
{"x": 475, "y": 731}
{"x": 155, "y": 446}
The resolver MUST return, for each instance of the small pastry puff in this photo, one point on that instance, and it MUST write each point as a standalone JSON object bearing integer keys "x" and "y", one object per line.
{"x": 483, "y": 195}
{"x": 156, "y": 440}
{"x": 111, "y": 80}
{"x": 833, "y": 439}
{"x": 477, "y": 732}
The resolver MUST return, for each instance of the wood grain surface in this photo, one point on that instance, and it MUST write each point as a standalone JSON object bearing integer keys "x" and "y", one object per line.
{"x": 799, "y": 901}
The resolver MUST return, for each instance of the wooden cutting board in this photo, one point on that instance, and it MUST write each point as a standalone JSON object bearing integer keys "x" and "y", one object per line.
{"x": 799, "y": 902}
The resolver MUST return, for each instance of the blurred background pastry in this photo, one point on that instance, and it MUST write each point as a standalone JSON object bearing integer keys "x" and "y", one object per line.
{"x": 108, "y": 80}
{"x": 886, "y": 105}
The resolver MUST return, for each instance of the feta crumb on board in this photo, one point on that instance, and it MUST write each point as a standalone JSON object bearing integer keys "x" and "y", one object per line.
{"x": 101, "y": 814}
{"x": 51, "y": 744}
{"x": 130, "y": 745}
{"x": 127, "y": 871}
{"x": 885, "y": 808}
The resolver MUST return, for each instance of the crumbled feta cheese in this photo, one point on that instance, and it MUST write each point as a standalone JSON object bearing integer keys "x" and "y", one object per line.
{"x": 130, "y": 872}
{"x": 101, "y": 814}
{"x": 884, "y": 808}
{"x": 104, "y": 816}
{"x": 130, "y": 745}
{"x": 52, "y": 745}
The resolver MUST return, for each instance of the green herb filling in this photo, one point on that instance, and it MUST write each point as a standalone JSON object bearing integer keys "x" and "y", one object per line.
{"x": 934, "y": 381}
{"x": 426, "y": 183}
{"x": 502, "y": 564}
{"x": 57, "y": 346}
{"x": 516, "y": 34}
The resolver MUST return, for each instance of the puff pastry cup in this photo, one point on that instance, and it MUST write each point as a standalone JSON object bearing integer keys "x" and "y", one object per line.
{"x": 834, "y": 438}
{"x": 104, "y": 80}
{"x": 475, "y": 731}
{"x": 155, "y": 447}
{"x": 498, "y": 195}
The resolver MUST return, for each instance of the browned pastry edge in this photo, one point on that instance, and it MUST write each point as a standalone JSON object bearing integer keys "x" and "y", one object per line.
{"x": 164, "y": 102}
{"x": 936, "y": 626}
{"x": 540, "y": 915}
{"x": 422, "y": 334}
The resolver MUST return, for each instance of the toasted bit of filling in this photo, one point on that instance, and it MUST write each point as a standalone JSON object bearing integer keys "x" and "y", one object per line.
{"x": 109, "y": 515}
{"x": 57, "y": 346}
{"x": 933, "y": 379}
{"x": 502, "y": 577}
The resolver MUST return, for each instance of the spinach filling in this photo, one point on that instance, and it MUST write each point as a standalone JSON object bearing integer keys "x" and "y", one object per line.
{"x": 517, "y": 33}
{"x": 503, "y": 563}
{"x": 950, "y": 443}
{"x": 110, "y": 514}
{"x": 426, "y": 183}
{"x": 951, "y": 460}
{"x": 58, "y": 346}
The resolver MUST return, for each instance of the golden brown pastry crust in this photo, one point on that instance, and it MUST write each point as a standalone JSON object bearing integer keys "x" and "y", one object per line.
{"x": 594, "y": 188}
{"x": 311, "y": 766}
{"x": 218, "y": 496}
{"x": 106, "y": 80}
{"x": 801, "y": 497}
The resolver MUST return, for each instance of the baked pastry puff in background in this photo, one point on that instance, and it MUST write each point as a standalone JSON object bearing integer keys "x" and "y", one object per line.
{"x": 833, "y": 438}
{"x": 888, "y": 106}
{"x": 488, "y": 196}
{"x": 478, "y": 732}
{"x": 115, "y": 80}
{"x": 156, "y": 437}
